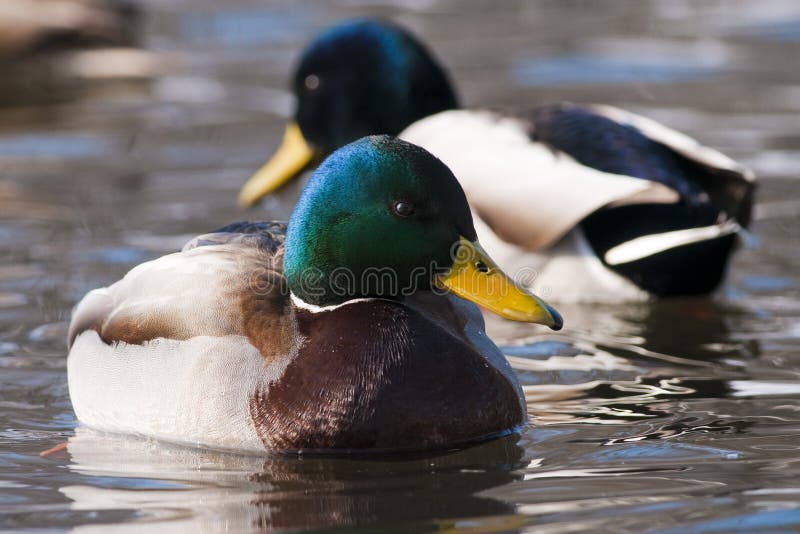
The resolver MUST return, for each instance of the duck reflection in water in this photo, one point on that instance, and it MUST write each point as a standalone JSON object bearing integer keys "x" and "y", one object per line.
{"x": 190, "y": 487}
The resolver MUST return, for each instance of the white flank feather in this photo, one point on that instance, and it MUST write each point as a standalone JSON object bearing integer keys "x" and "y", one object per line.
{"x": 194, "y": 392}
{"x": 648, "y": 245}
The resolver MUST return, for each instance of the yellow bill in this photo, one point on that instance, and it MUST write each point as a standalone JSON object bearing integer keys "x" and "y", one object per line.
{"x": 475, "y": 277}
{"x": 290, "y": 159}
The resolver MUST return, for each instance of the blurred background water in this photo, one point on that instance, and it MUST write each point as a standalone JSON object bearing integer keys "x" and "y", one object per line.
{"x": 671, "y": 416}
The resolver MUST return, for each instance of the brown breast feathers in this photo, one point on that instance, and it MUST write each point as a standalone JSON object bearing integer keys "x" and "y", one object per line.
{"x": 378, "y": 375}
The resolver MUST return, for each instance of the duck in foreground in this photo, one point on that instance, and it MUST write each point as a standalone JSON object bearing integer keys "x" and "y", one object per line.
{"x": 342, "y": 331}
{"x": 598, "y": 203}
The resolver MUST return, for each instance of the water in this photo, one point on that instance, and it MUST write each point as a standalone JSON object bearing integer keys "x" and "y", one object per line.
{"x": 654, "y": 417}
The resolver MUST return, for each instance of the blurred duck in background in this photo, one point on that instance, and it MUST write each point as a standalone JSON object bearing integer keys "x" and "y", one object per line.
{"x": 47, "y": 47}
{"x": 587, "y": 202}
{"x": 31, "y": 26}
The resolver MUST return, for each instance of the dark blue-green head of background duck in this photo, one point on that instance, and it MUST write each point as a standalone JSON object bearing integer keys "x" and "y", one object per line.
{"x": 383, "y": 218}
{"x": 366, "y": 77}
{"x": 359, "y": 78}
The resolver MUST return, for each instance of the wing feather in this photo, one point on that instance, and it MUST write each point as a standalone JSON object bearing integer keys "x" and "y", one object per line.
{"x": 529, "y": 194}
{"x": 206, "y": 289}
{"x": 532, "y": 181}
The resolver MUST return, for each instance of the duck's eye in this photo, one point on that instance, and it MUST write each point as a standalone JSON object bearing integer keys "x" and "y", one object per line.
{"x": 402, "y": 208}
{"x": 482, "y": 267}
{"x": 311, "y": 82}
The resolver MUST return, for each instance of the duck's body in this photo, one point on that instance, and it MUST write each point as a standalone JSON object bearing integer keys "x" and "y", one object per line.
{"x": 212, "y": 346}
{"x": 570, "y": 217}
{"x": 572, "y": 192}
{"x": 206, "y": 347}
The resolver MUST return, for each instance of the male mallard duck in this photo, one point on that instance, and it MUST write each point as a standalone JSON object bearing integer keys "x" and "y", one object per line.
{"x": 331, "y": 333}
{"x": 595, "y": 202}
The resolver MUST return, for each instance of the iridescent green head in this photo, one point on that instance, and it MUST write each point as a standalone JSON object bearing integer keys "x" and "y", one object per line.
{"x": 375, "y": 219}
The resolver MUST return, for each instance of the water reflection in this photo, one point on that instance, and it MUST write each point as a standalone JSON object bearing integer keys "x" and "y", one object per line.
{"x": 192, "y": 488}
{"x": 650, "y": 335}
{"x": 707, "y": 322}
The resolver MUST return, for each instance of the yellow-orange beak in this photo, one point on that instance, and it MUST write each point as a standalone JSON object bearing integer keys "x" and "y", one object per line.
{"x": 291, "y": 158}
{"x": 475, "y": 277}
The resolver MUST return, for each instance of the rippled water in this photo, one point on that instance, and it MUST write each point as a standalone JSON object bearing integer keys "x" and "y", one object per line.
{"x": 651, "y": 417}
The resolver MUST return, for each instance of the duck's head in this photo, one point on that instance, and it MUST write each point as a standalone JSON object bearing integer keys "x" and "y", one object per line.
{"x": 384, "y": 218}
{"x": 358, "y": 78}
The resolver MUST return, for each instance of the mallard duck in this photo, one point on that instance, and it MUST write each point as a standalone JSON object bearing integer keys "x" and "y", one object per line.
{"x": 344, "y": 330}
{"x": 590, "y": 202}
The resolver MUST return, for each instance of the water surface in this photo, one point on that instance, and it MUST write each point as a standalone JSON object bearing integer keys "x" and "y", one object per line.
{"x": 660, "y": 417}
